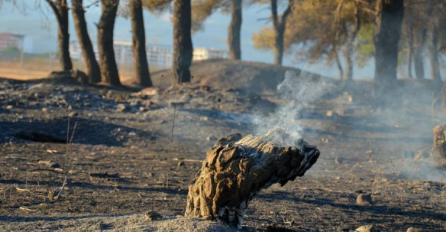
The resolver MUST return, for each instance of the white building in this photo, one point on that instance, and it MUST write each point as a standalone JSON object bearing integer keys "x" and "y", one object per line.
{"x": 159, "y": 55}
{"x": 209, "y": 53}
{"x": 21, "y": 42}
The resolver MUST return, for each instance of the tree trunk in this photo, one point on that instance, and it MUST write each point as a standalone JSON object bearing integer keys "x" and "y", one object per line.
{"x": 107, "y": 61}
{"x": 433, "y": 55}
{"x": 410, "y": 56}
{"x": 182, "y": 41}
{"x": 278, "y": 50}
{"x": 60, "y": 9}
{"x": 234, "y": 29}
{"x": 419, "y": 59}
{"x": 388, "y": 25}
{"x": 349, "y": 65}
{"x": 339, "y": 65}
{"x": 443, "y": 96}
{"x": 279, "y": 29}
{"x": 236, "y": 169}
{"x": 89, "y": 57}
{"x": 140, "y": 63}
{"x": 351, "y": 43}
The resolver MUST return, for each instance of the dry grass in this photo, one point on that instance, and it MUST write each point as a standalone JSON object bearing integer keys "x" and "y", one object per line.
{"x": 39, "y": 67}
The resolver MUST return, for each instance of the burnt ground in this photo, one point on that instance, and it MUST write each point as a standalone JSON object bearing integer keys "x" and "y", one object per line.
{"x": 122, "y": 159}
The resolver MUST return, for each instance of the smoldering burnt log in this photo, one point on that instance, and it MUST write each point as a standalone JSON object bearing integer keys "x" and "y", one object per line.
{"x": 237, "y": 168}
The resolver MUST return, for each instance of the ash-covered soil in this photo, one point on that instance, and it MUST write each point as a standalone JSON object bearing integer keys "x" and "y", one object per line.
{"x": 122, "y": 160}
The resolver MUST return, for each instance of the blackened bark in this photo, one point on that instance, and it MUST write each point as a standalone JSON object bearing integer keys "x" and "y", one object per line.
{"x": 107, "y": 61}
{"x": 234, "y": 29}
{"x": 433, "y": 55}
{"x": 183, "y": 48}
{"x": 93, "y": 72}
{"x": 279, "y": 29}
{"x": 339, "y": 65}
{"x": 60, "y": 9}
{"x": 419, "y": 58}
{"x": 140, "y": 63}
{"x": 388, "y": 25}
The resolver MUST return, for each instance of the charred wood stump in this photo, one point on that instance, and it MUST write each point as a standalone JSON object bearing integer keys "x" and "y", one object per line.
{"x": 237, "y": 168}
{"x": 440, "y": 141}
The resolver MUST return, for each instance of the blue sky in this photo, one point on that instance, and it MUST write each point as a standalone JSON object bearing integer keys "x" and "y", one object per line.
{"x": 41, "y": 26}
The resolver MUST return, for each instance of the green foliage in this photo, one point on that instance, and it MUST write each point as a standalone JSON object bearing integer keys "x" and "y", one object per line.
{"x": 157, "y": 6}
{"x": 365, "y": 49}
{"x": 202, "y": 9}
{"x": 11, "y": 50}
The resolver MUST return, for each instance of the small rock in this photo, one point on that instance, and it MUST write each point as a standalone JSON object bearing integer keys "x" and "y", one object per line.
{"x": 153, "y": 216}
{"x": 143, "y": 109}
{"x": 364, "y": 199}
{"x": 368, "y": 228}
{"x": 109, "y": 94}
{"x": 211, "y": 138}
{"x": 73, "y": 114}
{"x": 149, "y": 91}
{"x": 121, "y": 108}
{"x": 132, "y": 133}
{"x": 350, "y": 98}
{"x": 54, "y": 165}
{"x": 9, "y": 107}
{"x": 49, "y": 163}
{"x": 411, "y": 229}
{"x": 338, "y": 160}
{"x": 330, "y": 113}
{"x": 181, "y": 163}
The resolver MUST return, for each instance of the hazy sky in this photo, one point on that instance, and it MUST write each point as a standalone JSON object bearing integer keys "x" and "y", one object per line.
{"x": 42, "y": 27}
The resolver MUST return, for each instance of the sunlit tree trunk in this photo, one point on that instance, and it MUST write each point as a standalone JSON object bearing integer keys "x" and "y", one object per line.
{"x": 279, "y": 24}
{"x": 182, "y": 41}
{"x": 88, "y": 54}
{"x": 140, "y": 63}
{"x": 60, "y": 9}
{"x": 388, "y": 32}
{"x": 234, "y": 30}
{"x": 107, "y": 61}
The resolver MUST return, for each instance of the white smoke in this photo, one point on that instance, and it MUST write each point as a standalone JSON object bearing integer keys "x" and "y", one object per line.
{"x": 297, "y": 91}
